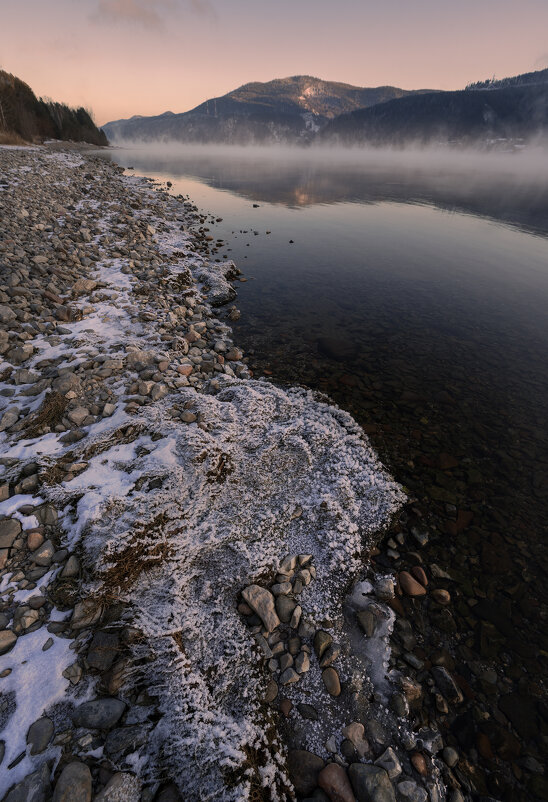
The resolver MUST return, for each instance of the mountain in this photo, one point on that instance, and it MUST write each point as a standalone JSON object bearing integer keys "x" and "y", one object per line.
{"x": 511, "y": 109}
{"x": 286, "y": 109}
{"x": 24, "y": 117}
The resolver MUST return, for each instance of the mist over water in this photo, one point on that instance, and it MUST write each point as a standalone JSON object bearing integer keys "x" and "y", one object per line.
{"x": 411, "y": 286}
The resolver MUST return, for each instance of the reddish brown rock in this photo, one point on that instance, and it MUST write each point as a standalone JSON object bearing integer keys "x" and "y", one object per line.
{"x": 420, "y": 575}
{"x": 409, "y": 585}
{"x": 334, "y": 781}
{"x": 441, "y": 596}
{"x": 34, "y": 540}
{"x": 419, "y": 764}
{"x": 286, "y": 707}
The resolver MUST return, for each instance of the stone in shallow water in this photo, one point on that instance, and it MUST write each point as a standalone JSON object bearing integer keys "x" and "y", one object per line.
{"x": 410, "y": 586}
{"x": 261, "y": 601}
{"x": 74, "y": 784}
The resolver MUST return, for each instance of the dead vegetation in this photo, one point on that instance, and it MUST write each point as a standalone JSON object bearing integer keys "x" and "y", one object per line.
{"x": 50, "y": 414}
{"x": 146, "y": 549}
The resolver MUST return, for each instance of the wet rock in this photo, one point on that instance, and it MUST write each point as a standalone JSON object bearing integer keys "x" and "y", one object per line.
{"x": 410, "y": 586}
{"x": 371, "y": 783}
{"x": 99, "y": 714}
{"x": 331, "y": 681}
{"x": 384, "y": 588}
{"x": 261, "y": 602}
{"x": 74, "y": 784}
{"x": 271, "y": 691}
{"x": 447, "y": 685}
{"x": 419, "y": 574}
{"x": 39, "y": 735}
{"x": 304, "y": 769}
{"x": 333, "y": 780}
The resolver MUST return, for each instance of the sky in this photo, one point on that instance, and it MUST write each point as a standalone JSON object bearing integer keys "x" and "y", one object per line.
{"x": 125, "y": 57}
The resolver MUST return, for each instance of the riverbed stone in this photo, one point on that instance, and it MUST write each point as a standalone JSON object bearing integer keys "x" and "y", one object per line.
{"x": 10, "y": 528}
{"x": 371, "y": 783}
{"x": 39, "y": 735}
{"x": 304, "y": 768}
{"x": 99, "y": 714}
{"x": 7, "y": 640}
{"x": 35, "y": 787}
{"x": 334, "y": 781}
{"x": 261, "y": 602}
{"x": 331, "y": 681}
{"x": 74, "y": 784}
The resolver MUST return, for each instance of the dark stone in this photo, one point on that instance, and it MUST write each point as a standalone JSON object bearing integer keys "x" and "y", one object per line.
{"x": 123, "y": 740}
{"x": 103, "y": 650}
{"x": 304, "y": 768}
{"x": 35, "y": 787}
{"x": 522, "y": 712}
{"x": 99, "y": 714}
{"x": 307, "y": 711}
{"x": 74, "y": 784}
{"x": 371, "y": 783}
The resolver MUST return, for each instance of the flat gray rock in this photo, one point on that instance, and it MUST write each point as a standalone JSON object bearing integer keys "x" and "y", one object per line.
{"x": 39, "y": 735}
{"x": 74, "y": 784}
{"x": 34, "y": 788}
{"x": 100, "y": 714}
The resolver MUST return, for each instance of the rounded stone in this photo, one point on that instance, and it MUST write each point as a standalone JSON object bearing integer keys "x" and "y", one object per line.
{"x": 410, "y": 586}
{"x": 7, "y": 640}
{"x": 333, "y": 780}
{"x": 441, "y": 596}
{"x": 304, "y": 768}
{"x": 331, "y": 681}
{"x": 419, "y": 764}
{"x": 450, "y": 756}
{"x": 74, "y": 784}
{"x": 39, "y": 735}
{"x": 99, "y": 714}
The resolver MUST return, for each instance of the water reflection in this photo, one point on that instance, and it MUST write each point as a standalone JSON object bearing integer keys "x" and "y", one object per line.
{"x": 512, "y": 188}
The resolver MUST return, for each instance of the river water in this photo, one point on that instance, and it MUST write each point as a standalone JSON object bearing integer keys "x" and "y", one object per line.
{"x": 413, "y": 290}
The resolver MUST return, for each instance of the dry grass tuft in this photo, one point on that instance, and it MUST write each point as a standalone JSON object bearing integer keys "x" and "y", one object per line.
{"x": 146, "y": 549}
{"x": 9, "y": 138}
{"x": 50, "y": 414}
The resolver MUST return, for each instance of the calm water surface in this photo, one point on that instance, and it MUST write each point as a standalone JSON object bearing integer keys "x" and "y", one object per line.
{"x": 415, "y": 294}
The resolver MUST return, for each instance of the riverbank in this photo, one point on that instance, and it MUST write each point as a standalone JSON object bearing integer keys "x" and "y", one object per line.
{"x": 146, "y": 482}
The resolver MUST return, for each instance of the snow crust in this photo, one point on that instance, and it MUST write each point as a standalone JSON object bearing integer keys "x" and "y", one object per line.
{"x": 224, "y": 527}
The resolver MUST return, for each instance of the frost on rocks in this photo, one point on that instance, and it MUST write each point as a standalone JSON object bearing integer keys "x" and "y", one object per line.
{"x": 223, "y": 516}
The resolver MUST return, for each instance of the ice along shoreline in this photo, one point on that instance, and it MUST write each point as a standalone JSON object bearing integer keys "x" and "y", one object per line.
{"x": 146, "y": 482}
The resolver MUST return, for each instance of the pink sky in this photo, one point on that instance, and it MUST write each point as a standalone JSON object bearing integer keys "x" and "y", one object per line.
{"x": 124, "y": 57}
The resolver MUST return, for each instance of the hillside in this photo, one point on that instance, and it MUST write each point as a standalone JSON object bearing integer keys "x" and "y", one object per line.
{"x": 23, "y": 116}
{"x": 286, "y": 109}
{"x": 508, "y": 112}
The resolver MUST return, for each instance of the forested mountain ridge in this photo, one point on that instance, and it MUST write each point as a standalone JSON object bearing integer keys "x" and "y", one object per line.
{"x": 27, "y": 118}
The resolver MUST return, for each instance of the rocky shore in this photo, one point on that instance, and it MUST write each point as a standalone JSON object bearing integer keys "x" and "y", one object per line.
{"x": 194, "y": 600}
